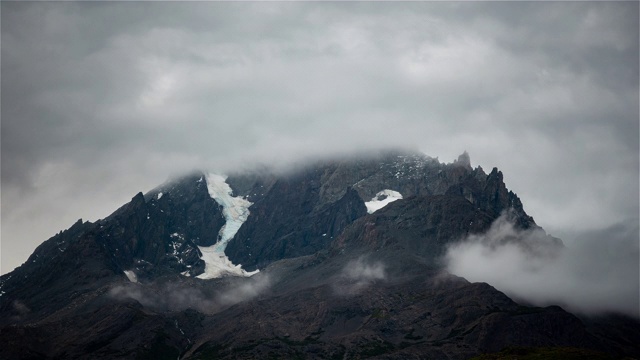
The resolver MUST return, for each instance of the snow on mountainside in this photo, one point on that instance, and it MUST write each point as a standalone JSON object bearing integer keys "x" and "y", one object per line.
{"x": 131, "y": 276}
{"x": 235, "y": 211}
{"x": 382, "y": 199}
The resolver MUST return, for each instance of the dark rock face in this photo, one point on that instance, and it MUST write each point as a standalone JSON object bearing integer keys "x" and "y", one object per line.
{"x": 159, "y": 233}
{"x": 152, "y": 237}
{"x": 335, "y": 282}
{"x": 300, "y": 213}
{"x": 286, "y": 222}
{"x": 420, "y": 225}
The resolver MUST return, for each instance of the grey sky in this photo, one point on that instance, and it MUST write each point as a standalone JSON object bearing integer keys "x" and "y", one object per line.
{"x": 102, "y": 100}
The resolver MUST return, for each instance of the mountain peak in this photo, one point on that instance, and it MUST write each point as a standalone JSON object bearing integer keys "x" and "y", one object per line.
{"x": 463, "y": 160}
{"x": 348, "y": 252}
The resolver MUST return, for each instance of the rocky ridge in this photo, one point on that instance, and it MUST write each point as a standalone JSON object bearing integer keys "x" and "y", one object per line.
{"x": 334, "y": 281}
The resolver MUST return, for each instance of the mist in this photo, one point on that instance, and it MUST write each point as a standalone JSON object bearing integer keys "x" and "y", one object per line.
{"x": 357, "y": 275}
{"x": 597, "y": 272}
{"x": 179, "y": 296}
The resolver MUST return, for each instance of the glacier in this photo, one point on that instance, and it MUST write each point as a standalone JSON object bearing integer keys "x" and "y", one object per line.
{"x": 235, "y": 211}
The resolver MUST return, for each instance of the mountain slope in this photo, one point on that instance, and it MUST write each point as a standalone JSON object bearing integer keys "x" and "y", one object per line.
{"x": 334, "y": 281}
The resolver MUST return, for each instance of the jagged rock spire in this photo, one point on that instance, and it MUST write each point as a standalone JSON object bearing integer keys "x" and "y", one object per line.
{"x": 464, "y": 160}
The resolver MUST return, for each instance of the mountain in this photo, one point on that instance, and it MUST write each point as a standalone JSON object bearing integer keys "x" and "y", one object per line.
{"x": 331, "y": 259}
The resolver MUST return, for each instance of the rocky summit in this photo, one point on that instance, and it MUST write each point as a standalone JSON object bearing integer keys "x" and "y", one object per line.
{"x": 334, "y": 259}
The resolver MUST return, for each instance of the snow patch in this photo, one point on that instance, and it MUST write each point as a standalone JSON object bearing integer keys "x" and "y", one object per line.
{"x": 382, "y": 199}
{"x": 217, "y": 264}
{"x": 174, "y": 247}
{"x": 159, "y": 195}
{"x": 235, "y": 211}
{"x": 131, "y": 276}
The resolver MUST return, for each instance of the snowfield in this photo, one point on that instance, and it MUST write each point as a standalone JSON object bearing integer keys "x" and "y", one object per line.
{"x": 382, "y": 199}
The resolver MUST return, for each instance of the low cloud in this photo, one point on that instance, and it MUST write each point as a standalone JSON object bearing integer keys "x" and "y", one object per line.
{"x": 595, "y": 273}
{"x": 180, "y": 296}
{"x": 245, "y": 291}
{"x": 358, "y": 275}
{"x": 19, "y": 311}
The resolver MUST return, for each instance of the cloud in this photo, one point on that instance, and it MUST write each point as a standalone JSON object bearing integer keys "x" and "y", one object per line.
{"x": 244, "y": 291}
{"x": 598, "y": 272}
{"x": 357, "y": 275}
{"x": 18, "y": 311}
{"x": 100, "y": 101}
{"x": 177, "y": 296}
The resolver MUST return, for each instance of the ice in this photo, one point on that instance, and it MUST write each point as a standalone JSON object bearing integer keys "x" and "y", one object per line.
{"x": 382, "y": 199}
{"x": 217, "y": 264}
{"x": 131, "y": 276}
{"x": 235, "y": 211}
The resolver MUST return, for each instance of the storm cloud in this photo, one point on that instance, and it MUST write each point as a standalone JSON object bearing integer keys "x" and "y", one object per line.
{"x": 102, "y": 100}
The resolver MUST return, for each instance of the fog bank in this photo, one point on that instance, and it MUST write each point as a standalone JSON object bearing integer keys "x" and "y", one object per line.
{"x": 597, "y": 272}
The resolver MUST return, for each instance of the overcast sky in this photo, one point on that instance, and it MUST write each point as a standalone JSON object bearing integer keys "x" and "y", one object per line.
{"x": 102, "y": 100}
